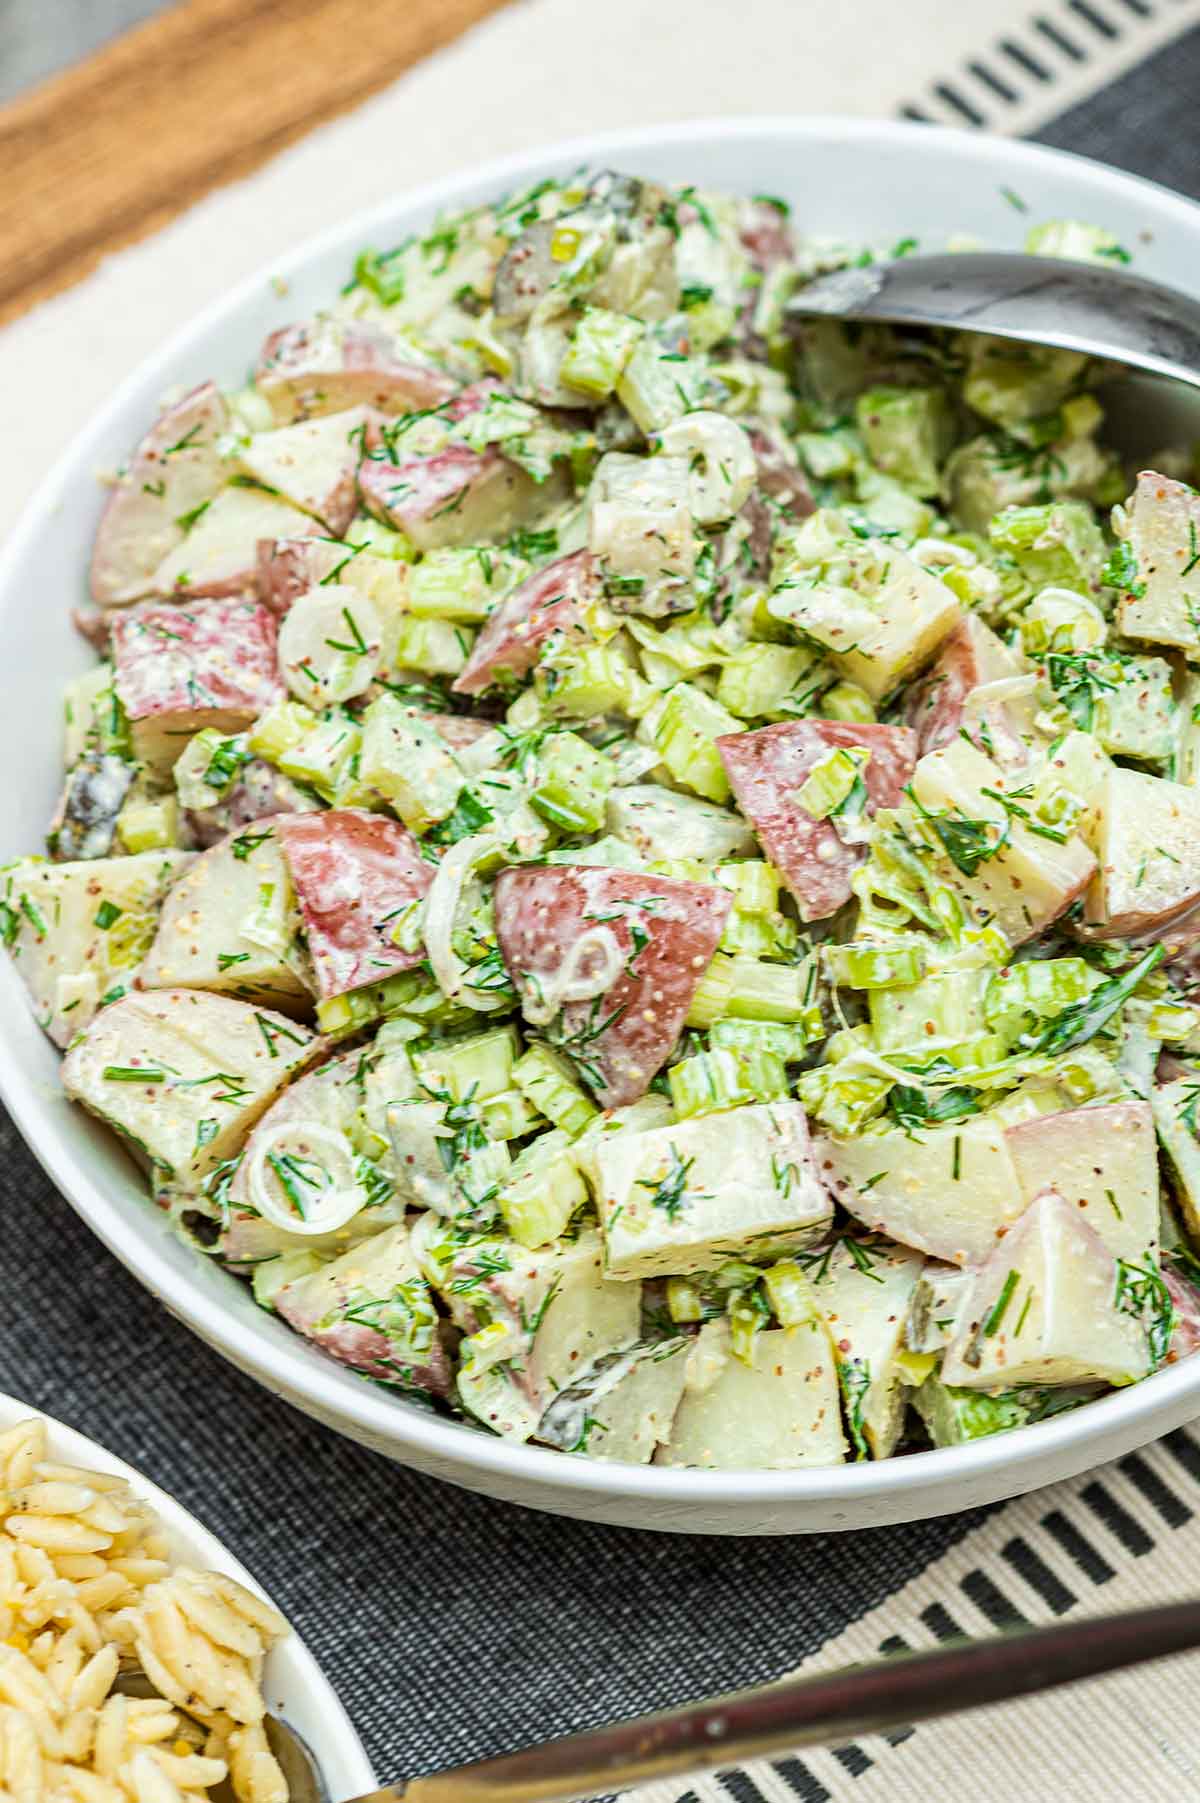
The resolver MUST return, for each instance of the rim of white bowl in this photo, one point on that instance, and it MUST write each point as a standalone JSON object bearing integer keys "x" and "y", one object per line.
{"x": 80, "y": 1449}
{"x": 1063, "y": 1440}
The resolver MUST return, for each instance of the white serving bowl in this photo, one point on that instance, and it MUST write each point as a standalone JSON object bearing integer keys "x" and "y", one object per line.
{"x": 293, "y": 1683}
{"x": 845, "y": 179}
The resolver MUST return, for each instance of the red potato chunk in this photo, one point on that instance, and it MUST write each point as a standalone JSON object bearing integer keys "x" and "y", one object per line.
{"x": 219, "y": 555}
{"x": 455, "y": 497}
{"x": 259, "y": 792}
{"x": 971, "y": 656}
{"x": 765, "y": 769}
{"x": 180, "y": 669}
{"x": 552, "y": 600}
{"x": 371, "y": 1309}
{"x": 287, "y": 568}
{"x": 607, "y": 963}
{"x": 354, "y": 874}
{"x": 313, "y": 464}
{"x": 325, "y": 365}
{"x": 175, "y": 469}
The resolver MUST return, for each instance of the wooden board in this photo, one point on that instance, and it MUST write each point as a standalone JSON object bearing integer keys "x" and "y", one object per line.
{"x": 199, "y": 95}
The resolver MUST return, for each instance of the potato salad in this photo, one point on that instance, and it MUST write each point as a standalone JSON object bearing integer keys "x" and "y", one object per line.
{"x": 632, "y": 862}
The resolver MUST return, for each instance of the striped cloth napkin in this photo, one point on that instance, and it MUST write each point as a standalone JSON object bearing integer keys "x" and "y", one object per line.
{"x": 471, "y": 1627}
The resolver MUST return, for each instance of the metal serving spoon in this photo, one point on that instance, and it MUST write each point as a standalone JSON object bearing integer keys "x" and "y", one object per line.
{"x": 1103, "y": 310}
{"x": 775, "y": 1718}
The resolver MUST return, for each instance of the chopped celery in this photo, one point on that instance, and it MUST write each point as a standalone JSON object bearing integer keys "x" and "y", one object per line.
{"x": 846, "y": 701}
{"x": 946, "y": 1005}
{"x": 658, "y": 385}
{"x": 573, "y": 782}
{"x": 280, "y": 729}
{"x": 756, "y": 680}
{"x": 686, "y": 734}
{"x": 1020, "y": 997}
{"x": 751, "y": 990}
{"x": 408, "y": 762}
{"x": 611, "y": 852}
{"x": 1073, "y": 238}
{"x": 543, "y": 1190}
{"x": 601, "y": 345}
{"x": 410, "y": 992}
{"x": 831, "y": 781}
{"x": 754, "y": 884}
{"x": 549, "y": 1082}
{"x": 594, "y": 679}
{"x": 790, "y": 1294}
{"x": 145, "y": 825}
{"x": 461, "y": 583}
{"x": 476, "y": 1067}
{"x": 867, "y": 966}
{"x": 206, "y": 768}
{"x": 748, "y": 1314}
{"x": 508, "y": 1115}
{"x": 789, "y": 1043}
{"x": 1056, "y": 543}
{"x": 434, "y": 647}
{"x": 322, "y": 758}
{"x": 725, "y": 1078}
{"x": 685, "y": 1300}
{"x": 908, "y": 433}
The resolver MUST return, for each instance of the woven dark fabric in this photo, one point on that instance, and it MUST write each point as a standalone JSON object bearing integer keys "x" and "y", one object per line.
{"x": 452, "y": 1625}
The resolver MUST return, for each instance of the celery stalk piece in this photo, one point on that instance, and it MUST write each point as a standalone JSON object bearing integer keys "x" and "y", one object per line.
{"x": 146, "y": 825}
{"x": 462, "y": 584}
{"x": 601, "y": 345}
{"x": 548, "y": 1081}
{"x": 867, "y": 966}
{"x": 907, "y": 432}
{"x": 846, "y": 701}
{"x": 788, "y": 1043}
{"x": 572, "y": 784}
{"x": 474, "y": 1068}
{"x": 1059, "y": 542}
{"x": 323, "y": 758}
{"x": 1022, "y": 996}
{"x": 407, "y": 761}
{"x": 724, "y": 1078}
{"x": 790, "y": 1294}
{"x": 686, "y": 735}
{"x": 544, "y": 1190}
{"x": 831, "y": 780}
{"x": 435, "y": 647}
{"x": 657, "y": 386}
{"x": 751, "y": 990}
{"x": 280, "y": 729}
{"x": 757, "y": 680}
{"x": 590, "y": 680}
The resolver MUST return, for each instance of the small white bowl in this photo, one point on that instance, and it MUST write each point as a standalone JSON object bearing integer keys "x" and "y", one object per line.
{"x": 293, "y": 1683}
{"x": 849, "y": 179}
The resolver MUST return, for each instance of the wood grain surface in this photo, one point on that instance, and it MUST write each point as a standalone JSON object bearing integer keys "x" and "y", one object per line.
{"x": 114, "y": 147}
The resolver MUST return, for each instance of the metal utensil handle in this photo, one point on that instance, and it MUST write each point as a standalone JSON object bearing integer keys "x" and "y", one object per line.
{"x": 800, "y": 1712}
{"x": 1102, "y": 310}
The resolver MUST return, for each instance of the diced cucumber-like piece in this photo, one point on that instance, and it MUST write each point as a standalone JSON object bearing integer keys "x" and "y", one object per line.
{"x": 408, "y": 762}
{"x": 587, "y": 681}
{"x": 432, "y": 646}
{"x": 686, "y": 733}
{"x": 323, "y": 758}
{"x": 462, "y": 584}
{"x": 789, "y": 1043}
{"x": 409, "y": 992}
{"x": 572, "y": 784}
{"x": 601, "y": 345}
{"x": 149, "y": 825}
{"x": 724, "y": 1077}
{"x": 544, "y": 1190}
{"x": 754, "y": 883}
{"x": 1058, "y": 542}
{"x": 846, "y": 701}
{"x": 472, "y": 1068}
{"x": 751, "y": 990}
{"x": 907, "y": 432}
{"x": 549, "y": 1082}
{"x": 954, "y": 1416}
{"x": 280, "y": 729}
{"x": 756, "y": 680}
{"x": 867, "y": 966}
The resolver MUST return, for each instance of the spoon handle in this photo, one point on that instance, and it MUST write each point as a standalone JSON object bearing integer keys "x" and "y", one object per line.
{"x": 1100, "y": 309}
{"x": 808, "y": 1711}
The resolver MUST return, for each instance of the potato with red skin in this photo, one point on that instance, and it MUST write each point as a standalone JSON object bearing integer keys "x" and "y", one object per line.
{"x": 455, "y": 497}
{"x": 354, "y": 874}
{"x": 178, "y": 670}
{"x": 286, "y": 568}
{"x": 1147, "y": 842}
{"x": 1102, "y": 1160}
{"x": 219, "y": 555}
{"x": 765, "y": 769}
{"x": 936, "y": 708}
{"x": 313, "y": 464}
{"x": 175, "y": 469}
{"x": 360, "y": 1310}
{"x": 325, "y": 365}
{"x": 663, "y": 932}
{"x": 552, "y": 600}
{"x": 258, "y": 792}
